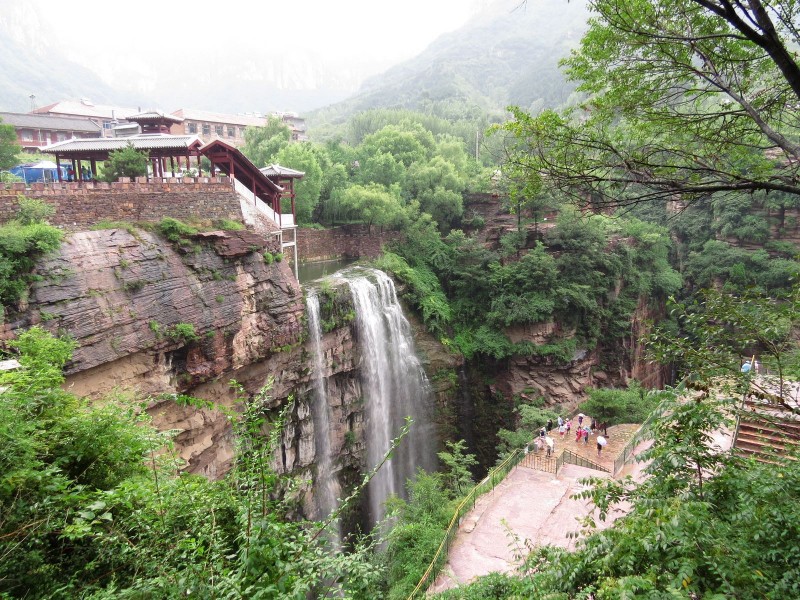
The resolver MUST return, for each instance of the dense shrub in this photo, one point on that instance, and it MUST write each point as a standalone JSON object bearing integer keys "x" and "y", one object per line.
{"x": 22, "y": 242}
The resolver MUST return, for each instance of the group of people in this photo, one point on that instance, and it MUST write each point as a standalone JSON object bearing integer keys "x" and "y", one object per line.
{"x": 86, "y": 174}
{"x": 582, "y": 432}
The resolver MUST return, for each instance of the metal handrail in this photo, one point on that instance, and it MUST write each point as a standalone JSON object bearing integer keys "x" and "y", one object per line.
{"x": 580, "y": 461}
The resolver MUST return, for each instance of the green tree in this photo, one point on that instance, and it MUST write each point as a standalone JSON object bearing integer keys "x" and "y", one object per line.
{"x": 406, "y": 145}
{"x": 9, "y": 146}
{"x": 126, "y": 162}
{"x": 458, "y": 464}
{"x": 688, "y": 97}
{"x": 262, "y": 144}
{"x": 374, "y": 204}
{"x": 302, "y": 157}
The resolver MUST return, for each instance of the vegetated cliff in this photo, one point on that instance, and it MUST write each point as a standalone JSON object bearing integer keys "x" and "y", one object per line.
{"x": 175, "y": 320}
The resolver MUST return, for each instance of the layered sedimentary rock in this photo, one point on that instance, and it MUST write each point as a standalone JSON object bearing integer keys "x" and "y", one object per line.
{"x": 169, "y": 321}
{"x": 175, "y": 318}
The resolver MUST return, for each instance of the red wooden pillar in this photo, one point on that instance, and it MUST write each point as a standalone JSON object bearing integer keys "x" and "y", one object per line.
{"x": 94, "y": 168}
{"x": 58, "y": 167}
{"x": 291, "y": 187}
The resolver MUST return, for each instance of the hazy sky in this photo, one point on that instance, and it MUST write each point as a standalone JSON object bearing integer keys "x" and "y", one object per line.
{"x": 372, "y": 30}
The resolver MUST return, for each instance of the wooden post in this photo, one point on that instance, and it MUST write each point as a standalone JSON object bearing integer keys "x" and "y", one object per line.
{"x": 94, "y": 168}
{"x": 58, "y": 166}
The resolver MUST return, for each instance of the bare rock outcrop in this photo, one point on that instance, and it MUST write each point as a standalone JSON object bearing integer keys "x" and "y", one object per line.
{"x": 167, "y": 319}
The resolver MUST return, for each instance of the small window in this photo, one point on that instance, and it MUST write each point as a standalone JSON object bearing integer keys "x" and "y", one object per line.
{"x": 231, "y": 131}
{"x": 26, "y": 135}
{"x": 218, "y": 130}
{"x": 206, "y": 129}
{"x": 61, "y": 136}
{"x": 241, "y": 132}
{"x": 192, "y": 127}
{"x": 108, "y": 125}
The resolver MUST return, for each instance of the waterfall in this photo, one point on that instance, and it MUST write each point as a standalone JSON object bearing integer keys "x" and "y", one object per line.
{"x": 394, "y": 386}
{"x": 326, "y": 485}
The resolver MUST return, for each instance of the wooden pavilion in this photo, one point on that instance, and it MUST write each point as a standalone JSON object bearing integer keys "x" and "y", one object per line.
{"x": 182, "y": 151}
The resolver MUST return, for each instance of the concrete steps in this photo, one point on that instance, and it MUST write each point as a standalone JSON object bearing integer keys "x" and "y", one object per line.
{"x": 766, "y": 433}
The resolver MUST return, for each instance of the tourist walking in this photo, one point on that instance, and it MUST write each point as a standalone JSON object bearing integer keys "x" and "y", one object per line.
{"x": 549, "y": 424}
{"x": 601, "y": 442}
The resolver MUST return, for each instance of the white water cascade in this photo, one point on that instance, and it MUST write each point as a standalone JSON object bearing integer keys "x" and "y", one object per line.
{"x": 326, "y": 485}
{"x": 394, "y": 387}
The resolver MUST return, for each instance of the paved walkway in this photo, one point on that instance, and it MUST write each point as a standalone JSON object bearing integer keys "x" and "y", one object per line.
{"x": 528, "y": 508}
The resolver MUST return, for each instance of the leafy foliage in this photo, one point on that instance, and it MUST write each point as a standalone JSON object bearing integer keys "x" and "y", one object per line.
{"x": 126, "y": 162}
{"x": 262, "y": 144}
{"x": 94, "y": 504}
{"x": 418, "y": 530}
{"x": 22, "y": 241}
{"x": 9, "y": 146}
{"x": 614, "y": 406}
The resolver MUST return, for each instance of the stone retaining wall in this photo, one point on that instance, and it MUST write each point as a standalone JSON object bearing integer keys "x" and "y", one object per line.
{"x": 81, "y": 205}
{"x": 349, "y": 241}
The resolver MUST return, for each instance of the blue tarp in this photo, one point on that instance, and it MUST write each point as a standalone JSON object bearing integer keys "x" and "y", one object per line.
{"x": 45, "y": 171}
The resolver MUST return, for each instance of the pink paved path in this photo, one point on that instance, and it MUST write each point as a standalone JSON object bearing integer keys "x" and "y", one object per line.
{"x": 528, "y": 507}
{"x": 534, "y": 508}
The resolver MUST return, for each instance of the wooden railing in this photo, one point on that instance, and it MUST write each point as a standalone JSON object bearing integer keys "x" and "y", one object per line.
{"x": 495, "y": 476}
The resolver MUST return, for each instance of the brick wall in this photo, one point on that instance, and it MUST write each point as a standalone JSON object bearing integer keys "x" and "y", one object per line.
{"x": 79, "y": 206}
{"x": 351, "y": 241}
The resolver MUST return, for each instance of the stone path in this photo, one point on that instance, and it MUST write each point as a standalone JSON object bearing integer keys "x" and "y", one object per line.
{"x": 528, "y": 508}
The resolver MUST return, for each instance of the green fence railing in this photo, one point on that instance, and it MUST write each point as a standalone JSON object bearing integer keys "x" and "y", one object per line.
{"x": 627, "y": 453}
{"x": 495, "y": 476}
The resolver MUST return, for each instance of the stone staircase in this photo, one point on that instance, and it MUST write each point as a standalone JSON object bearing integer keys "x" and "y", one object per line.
{"x": 766, "y": 432}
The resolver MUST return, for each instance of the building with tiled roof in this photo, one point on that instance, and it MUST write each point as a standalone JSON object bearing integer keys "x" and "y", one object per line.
{"x": 107, "y": 116}
{"x": 230, "y": 128}
{"x": 37, "y": 130}
{"x": 213, "y": 125}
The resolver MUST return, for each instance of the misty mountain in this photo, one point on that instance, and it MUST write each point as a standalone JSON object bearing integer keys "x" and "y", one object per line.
{"x": 32, "y": 64}
{"x": 507, "y": 54}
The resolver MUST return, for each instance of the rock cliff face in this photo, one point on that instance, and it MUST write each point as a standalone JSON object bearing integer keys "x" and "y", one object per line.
{"x": 175, "y": 320}
{"x": 166, "y": 319}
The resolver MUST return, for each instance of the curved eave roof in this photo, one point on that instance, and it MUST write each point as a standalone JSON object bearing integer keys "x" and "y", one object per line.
{"x": 140, "y": 142}
{"x": 155, "y": 115}
{"x": 242, "y": 163}
{"x": 279, "y": 171}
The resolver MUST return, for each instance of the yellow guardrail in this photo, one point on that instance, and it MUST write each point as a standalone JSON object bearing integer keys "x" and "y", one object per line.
{"x": 495, "y": 475}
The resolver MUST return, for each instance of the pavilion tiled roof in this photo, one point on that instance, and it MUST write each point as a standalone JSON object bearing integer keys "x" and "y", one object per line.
{"x": 140, "y": 142}
{"x": 50, "y": 122}
{"x": 154, "y": 115}
{"x": 279, "y": 171}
